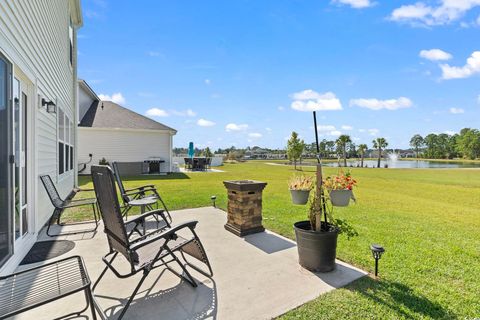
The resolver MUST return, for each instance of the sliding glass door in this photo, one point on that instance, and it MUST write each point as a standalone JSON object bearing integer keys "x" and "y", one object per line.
{"x": 6, "y": 162}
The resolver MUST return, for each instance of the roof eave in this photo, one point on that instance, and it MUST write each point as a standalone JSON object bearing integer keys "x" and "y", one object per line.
{"x": 76, "y": 13}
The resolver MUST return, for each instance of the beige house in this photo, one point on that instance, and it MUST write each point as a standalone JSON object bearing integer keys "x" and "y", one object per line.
{"x": 115, "y": 133}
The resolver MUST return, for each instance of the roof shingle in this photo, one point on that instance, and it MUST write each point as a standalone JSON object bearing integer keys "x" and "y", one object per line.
{"x": 106, "y": 114}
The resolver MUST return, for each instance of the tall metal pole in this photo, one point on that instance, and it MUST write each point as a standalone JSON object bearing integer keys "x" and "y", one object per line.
{"x": 318, "y": 222}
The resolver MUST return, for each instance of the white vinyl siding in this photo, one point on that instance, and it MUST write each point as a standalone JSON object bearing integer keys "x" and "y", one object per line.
{"x": 123, "y": 145}
{"x": 35, "y": 36}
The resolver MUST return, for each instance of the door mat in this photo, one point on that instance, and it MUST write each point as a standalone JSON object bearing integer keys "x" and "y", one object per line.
{"x": 45, "y": 250}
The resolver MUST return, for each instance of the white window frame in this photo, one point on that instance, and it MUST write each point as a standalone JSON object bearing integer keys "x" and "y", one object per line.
{"x": 67, "y": 143}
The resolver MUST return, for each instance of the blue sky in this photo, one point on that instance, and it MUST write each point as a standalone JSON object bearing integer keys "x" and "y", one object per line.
{"x": 248, "y": 73}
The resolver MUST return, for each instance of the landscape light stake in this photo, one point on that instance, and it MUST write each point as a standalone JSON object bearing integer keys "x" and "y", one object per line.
{"x": 213, "y": 198}
{"x": 377, "y": 251}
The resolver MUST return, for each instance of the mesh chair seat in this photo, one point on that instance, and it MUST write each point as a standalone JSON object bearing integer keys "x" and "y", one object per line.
{"x": 34, "y": 287}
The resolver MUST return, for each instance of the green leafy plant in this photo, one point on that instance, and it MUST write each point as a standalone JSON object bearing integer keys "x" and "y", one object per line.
{"x": 301, "y": 182}
{"x": 103, "y": 162}
{"x": 317, "y": 207}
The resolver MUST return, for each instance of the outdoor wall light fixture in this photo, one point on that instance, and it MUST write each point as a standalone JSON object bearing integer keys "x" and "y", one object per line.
{"x": 51, "y": 106}
{"x": 213, "y": 198}
{"x": 377, "y": 251}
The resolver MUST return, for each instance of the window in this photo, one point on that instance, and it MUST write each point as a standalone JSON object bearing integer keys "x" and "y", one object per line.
{"x": 65, "y": 142}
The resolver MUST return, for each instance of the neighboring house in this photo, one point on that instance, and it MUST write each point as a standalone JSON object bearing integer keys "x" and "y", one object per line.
{"x": 38, "y": 71}
{"x": 108, "y": 130}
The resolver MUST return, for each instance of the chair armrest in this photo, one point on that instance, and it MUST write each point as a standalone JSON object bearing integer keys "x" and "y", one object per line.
{"x": 148, "y": 186}
{"x": 142, "y": 217}
{"x": 164, "y": 235}
{"x": 140, "y": 192}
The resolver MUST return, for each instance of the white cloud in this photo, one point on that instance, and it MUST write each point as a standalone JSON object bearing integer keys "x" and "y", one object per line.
{"x": 361, "y": 130}
{"x": 207, "y": 81}
{"x": 456, "y": 110}
{"x": 205, "y": 123}
{"x": 154, "y": 53}
{"x": 375, "y": 104}
{"x": 115, "y": 98}
{"x": 469, "y": 69}
{"x": 373, "y": 132}
{"x": 255, "y": 135}
{"x": 335, "y": 133}
{"x": 236, "y": 127}
{"x": 309, "y": 100}
{"x": 447, "y": 12}
{"x": 478, "y": 20}
{"x": 435, "y": 55}
{"x": 186, "y": 113}
{"x": 328, "y": 130}
{"x": 478, "y": 99}
{"x": 280, "y": 108}
{"x": 346, "y": 127}
{"x": 357, "y": 4}
{"x": 269, "y": 130}
{"x": 450, "y": 132}
{"x": 156, "y": 112}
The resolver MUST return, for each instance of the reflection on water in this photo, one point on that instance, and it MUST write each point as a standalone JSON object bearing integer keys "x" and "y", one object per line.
{"x": 408, "y": 164}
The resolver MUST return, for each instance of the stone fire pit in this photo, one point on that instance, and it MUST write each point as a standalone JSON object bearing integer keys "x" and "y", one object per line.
{"x": 244, "y": 210}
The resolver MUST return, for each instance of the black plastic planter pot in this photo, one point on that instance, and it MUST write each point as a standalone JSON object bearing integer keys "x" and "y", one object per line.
{"x": 316, "y": 250}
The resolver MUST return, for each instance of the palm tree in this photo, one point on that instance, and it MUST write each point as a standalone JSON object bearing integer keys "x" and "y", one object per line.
{"x": 379, "y": 144}
{"x": 342, "y": 142}
{"x": 417, "y": 142}
{"x": 361, "y": 149}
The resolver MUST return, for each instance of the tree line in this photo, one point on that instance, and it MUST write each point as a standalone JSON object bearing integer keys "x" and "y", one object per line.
{"x": 342, "y": 147}
{"x": 465, "y": 144}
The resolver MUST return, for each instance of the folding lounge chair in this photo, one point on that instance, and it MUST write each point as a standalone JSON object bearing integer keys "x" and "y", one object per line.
{"x": 149, "y": 251}
{"x": 146, "y": 191}
{"x": 60, "y": 205}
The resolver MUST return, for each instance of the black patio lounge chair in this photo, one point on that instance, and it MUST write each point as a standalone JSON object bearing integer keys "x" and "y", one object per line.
{"x": 60, "y": 205}
{"x": 188, "y": 163}
{"x": 35, "y": 287}
{"x": 129, "y": 195}
{"x": 147, "y": 252}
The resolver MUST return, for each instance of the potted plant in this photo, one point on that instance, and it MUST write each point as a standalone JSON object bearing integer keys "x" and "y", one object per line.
{"x": 300, "y": 187}
{"x": 340, "y": 188}
{"x": 317, "y": 239}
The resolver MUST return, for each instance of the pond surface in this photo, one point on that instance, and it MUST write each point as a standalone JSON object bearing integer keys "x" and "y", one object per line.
{"x": 407, "y": 164}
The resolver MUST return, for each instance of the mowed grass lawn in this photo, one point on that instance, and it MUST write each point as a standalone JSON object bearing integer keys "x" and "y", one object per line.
{"x": 428, "y": 221}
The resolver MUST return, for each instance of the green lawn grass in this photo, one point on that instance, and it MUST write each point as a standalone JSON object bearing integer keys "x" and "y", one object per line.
{"x": 428, "y": 221}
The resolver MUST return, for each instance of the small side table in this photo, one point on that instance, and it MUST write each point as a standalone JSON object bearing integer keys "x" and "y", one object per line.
{"x": 143, "y": 203}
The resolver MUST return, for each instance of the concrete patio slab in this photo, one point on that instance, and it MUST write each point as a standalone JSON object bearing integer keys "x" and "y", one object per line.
{"x": 255, "y": 277}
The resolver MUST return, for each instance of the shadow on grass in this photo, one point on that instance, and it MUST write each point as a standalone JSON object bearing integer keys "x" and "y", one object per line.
{"x": 170, "y": 176}
{"x": 400, "y": 298}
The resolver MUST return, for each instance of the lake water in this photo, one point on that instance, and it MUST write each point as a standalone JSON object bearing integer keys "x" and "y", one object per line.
{"x": 407, "y": 164}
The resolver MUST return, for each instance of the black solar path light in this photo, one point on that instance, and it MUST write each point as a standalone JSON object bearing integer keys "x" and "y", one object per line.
{"x": 377, "y": 251}
{"x": 213, "y": 198}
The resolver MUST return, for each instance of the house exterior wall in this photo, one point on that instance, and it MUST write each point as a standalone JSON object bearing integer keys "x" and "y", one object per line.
{"x": 123, "y": 145}
{"x": 34, "y": 36}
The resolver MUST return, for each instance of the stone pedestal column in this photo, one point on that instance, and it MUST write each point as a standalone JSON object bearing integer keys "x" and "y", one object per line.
{"x": 244, "y": 211}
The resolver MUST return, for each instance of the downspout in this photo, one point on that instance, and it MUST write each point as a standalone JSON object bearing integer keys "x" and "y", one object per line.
{"x": 75, "y": 113}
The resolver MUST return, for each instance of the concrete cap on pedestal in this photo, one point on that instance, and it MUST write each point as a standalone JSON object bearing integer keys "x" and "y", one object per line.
{"x": 244, "y": 185}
